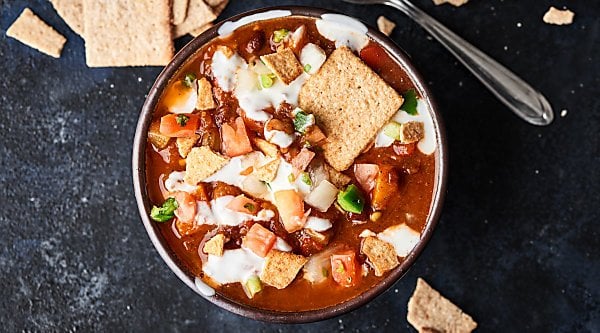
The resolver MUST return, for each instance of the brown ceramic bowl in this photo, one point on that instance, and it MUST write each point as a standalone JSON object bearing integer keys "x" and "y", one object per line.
{"x": 144, "y": 205}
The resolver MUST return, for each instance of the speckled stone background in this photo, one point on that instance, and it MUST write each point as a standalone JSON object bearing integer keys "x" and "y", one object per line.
{"x": 517, "y": 246}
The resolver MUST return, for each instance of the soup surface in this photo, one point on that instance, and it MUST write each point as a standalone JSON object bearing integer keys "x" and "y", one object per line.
{"x": 291, "y": 164}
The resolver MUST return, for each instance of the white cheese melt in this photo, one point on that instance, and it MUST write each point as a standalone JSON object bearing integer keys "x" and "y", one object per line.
{"x": 280, "y": 138}
{"x": 317, "y": 224}
{"x": 175, "y": 183}
{"x": 218, "y": 213}
{"x": 233, "y": 266}
{"x": 343, "y": 30}
{"x": 402, "y": 237}
{"x": 183, "y": 100}
{"x": 313, "y": 56}
{"x": 426, "y": 145}
{"x": 224, "y": 69}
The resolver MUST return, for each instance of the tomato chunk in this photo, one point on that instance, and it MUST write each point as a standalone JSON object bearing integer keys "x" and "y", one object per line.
{"x": 179, "y": 125}
{"x": 302, "y": 160}
{"x": 291, "y": 209}
{"x": 343, "y": 268}
{"x": 243, "y": 204}
{"x": 374, "y": 56}
{"x": 235, "y": 141}
{"x": 186, "y": 207}
{"x": 259, "y": 240}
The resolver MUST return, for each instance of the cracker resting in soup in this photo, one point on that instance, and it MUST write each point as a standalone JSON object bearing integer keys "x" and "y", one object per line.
{"x": 291, "y": 164}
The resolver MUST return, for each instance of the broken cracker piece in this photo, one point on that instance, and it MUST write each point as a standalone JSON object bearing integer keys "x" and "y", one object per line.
{"x": 198, "y": 31}
{"x": 267, "y": 171}
{"x": 382, "y": 255}
{"x": 411, "y": 131}
{"x": 205, "y": 99}
{"x": 455, "y": 3}
{"x": 558, "y": 17}
{"x": 33, "y": 32}
{"x": 335, "y": 177}
{"x": 158, "y": 139}
{"x": 71, "y": 12}
{"x": 350, "y": 101}
{"x": 427, "y": 309}
{"x": 215, "y": 245}
{"x": 180, "y": 8}
{"x": 385, "y": 25}
{"x": 185, "y": 144}
{"x": 127, "y": 33}
{"x": 198, "y": 15}
{"x": 281, "y": 268}
{"x": 202, "y": 162}
{"x": 284, "y": 64}
{"x": 266, "y": 147}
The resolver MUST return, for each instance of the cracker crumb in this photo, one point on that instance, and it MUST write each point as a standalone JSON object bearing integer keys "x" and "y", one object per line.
{"x": 205, "y": 99}
{"x": 284, "y": 64}
{"x": 558, "y": 17}
{"x": 215, "y": 245}
{"x": 385, "y": 25}
{"x": 563, "y": 113}
{"x": 202, "y": 162}
{"x": 30, "y": 30}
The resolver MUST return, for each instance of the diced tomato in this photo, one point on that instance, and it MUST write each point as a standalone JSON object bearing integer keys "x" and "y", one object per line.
{"x": 259, "y": 240}
{"x": 179, "y": 125}
{"x": 373, "y": 55}
{"x": 243, "y": 204}
{"x": 403, "y": 149}
{"x": 343, "y": 268}
{"x": 302, "y": 160}
{"x": 235, "y": 141}
{"x": 186, "y": 206}
{"x": 386, "y": 186}
{"x": 315, "y": 136}
{"x": 291, "y": 209}
{"x": 365, "y": 175}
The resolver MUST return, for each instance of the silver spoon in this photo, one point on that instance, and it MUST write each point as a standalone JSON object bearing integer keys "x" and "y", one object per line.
{"x": 518, "y": 95}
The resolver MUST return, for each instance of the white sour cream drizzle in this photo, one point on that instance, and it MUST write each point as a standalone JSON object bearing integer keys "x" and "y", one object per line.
{"x": 185, "y": 102}
{"x": 224, "y": 69}
{"x": 343, "y": 30}
{"x": 280, "y": 138}
{"x": 427, "y": 145}
{"x": 313, "y": 56}
{"x": 233, "y": 266}
{"x": 230, "y": 26}
{"x": 317, "y": 224}
{"x": 218, "y": 213}
{"x": 401, "y": 236}
{"x": 282, "y": 245}
{"x": 175, "y": 183}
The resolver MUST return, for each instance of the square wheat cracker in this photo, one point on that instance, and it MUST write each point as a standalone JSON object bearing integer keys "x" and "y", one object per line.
{"x": 351, "y": 102}
{"x": 127, "y": 33}
{"x": 382, "y": 255}
{"x": 199, "y": 14}
{"x": 284, "y": 64}
{"x": 281, "y": 268}
{"x": 427, "y": 309}
{"x": 30, "y": 30}
{"x": 71, "y": 12}
{"x": 202, "y": 162}
{"x": 180, "y": 8}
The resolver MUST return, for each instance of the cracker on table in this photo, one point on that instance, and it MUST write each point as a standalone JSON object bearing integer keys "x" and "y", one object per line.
{"x": 218, "y": 7}
{"x": 32, "y": 31}
{"x": 127, "y": 33}
{"x": 284, "y": 64}
{"x": 455, "y": 3}
{"x": 558, "y": 17}
{"x": 198, "y": 15}
{"x": 349, "y": 100}
{"x": 385, "y": 25}
{"x": 71, "y": 12}
{"x": 427, "y": 309}
{"x": 198, "y": 31}
{"x": 180, "y": 8}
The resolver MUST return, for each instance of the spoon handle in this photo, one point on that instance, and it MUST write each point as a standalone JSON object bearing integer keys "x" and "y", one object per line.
{"x": 518, "y": 95}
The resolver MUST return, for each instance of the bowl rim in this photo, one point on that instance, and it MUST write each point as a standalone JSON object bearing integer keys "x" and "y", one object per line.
{"x": 158, "y": 241}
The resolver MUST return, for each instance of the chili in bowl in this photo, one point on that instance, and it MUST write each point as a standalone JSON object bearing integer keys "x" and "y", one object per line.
{"x": 289, "y": 164}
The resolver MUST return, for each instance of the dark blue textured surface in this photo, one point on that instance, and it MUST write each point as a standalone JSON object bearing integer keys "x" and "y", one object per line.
{"x": 517, "y": 247}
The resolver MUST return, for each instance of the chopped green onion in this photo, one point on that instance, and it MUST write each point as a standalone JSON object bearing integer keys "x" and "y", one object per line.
{"x": 268, "y": 185}
{"x": 325, "y": 272}
{"x": 307, "y": 68}
{"x": 279, "y": 35}
{"x": 182, "y": 119}
{"x": 291, "y": 178}
{"x": 306, "y": 179}
{"x": 252, "y": 286}
{"x": 165, "y": 212}
{"x": 188, "y": 79}
{"x": 410, "y": 102}
{"x": 266, "y": 80}
{"x": 340, "y": 268}
{"x": 302, "y": 120}
{"x": 351, "y": 200}
{"x": 392, "y": 129}
{"x": 250, "y": 207}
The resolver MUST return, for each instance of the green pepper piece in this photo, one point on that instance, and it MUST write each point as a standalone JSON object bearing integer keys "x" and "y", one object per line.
{"x": 302, "y": 120}
{"x": 410, "y": 102}
{"x": 351, "y": 199}
{"x": 165, "y": 212}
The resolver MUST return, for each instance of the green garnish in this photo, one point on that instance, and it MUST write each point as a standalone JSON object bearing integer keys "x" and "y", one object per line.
{"x": 410, "y": 102}
{"x": 291, "y": 178}
{"x": 188, "y": 79}
{"x": 307, "y": 68}
{"x": 340, "y": 268}
{"x": 250, "y": 207}
{"x": 165, "y": 212}
{"x": 325, "y": 272}
{"x": 253, "y": 286}
{"x": 266, "y": 80}
{"x": 351, "y": 200}
{"x": 392, "y": 129}
{"x": 306, "y": 179}
{"x": 268, "y": 185}
{"x": 302, "y": 120}
{"x": 182, "y": 119}
{"x": 279, "y": 35}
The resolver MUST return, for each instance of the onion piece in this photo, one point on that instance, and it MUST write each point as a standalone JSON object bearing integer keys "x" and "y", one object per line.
{"x": 322, "y": 196}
